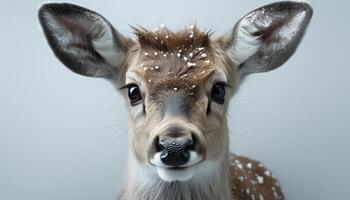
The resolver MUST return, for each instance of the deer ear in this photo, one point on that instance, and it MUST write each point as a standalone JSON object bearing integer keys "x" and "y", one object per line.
{"x": 82, "y": 39}
{"x": 267, "y": 37}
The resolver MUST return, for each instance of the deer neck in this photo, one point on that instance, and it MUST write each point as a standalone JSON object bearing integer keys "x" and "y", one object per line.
{"x": 211, "y": 181}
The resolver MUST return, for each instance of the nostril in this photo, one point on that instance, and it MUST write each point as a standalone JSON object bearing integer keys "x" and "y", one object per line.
{"x": 158, "y": 145}
{"x": 189, "y": 145}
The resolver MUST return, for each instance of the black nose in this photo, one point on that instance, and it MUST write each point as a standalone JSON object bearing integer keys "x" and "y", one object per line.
{"x": 175, "y": 151}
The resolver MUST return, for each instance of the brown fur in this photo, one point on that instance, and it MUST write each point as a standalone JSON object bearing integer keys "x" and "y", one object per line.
{"x": 164, "y": 48}
{"x": 250, "y": 180}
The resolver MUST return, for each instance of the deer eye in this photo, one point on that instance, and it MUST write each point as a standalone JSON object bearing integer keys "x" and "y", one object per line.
{"x": 218, "y": 92}
{"x": 134, "y": 94}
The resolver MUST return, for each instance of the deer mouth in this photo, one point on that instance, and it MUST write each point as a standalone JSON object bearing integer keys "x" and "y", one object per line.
{"x": 176, "y": 173}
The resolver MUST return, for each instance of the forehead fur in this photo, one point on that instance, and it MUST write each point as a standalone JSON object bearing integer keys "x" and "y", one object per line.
{"x": 175, "y": 60}
{"x": 166, "y": 40}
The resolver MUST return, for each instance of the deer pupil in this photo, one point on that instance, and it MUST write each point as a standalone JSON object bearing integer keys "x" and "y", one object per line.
{"x": 218, "y": 93}
{"x": 134, "y": 94}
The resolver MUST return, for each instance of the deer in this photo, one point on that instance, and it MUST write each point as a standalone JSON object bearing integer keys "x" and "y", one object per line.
{"x": 177, "y": 86}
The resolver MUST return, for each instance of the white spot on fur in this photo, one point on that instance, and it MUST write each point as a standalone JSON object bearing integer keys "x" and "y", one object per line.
{"x": 189, "y": 64}
{"x": 249, "y": 165}
{"x": 261, "y": 197}
{"x": 260, "y": 179}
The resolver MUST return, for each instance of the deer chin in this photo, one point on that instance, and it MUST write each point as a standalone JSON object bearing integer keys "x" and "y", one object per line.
{"x": 176, "y": 173}
{"x": 180, "y": 173}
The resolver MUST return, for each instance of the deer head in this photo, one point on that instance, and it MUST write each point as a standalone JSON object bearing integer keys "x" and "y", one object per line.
{"x": 177, "y": 85}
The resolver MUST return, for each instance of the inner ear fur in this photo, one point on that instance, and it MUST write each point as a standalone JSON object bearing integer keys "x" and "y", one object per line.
{"x": 267, "y": 37}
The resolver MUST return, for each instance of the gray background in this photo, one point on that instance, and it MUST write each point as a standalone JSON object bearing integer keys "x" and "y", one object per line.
{"x": 64, "y": 136}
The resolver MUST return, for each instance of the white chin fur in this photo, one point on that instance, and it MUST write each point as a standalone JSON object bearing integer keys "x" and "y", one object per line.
{"x": 170, "y": 175}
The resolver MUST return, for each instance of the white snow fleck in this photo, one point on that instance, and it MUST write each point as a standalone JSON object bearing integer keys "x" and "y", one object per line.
{"x": 175, "y": 88}
{"x": 167, "y": 36}
{"x": 204, "y": 55}
{"x": 185, "y": 58}
{"x": 193, "y": 86}
{"x": 247, "y": 191}
{"x": 249, "y": 165}
{"x": 191, "y": 55}
{"x": 260, "y": 179}
{"x": 145, "y": 68}
{"x": 146, "y": 54}
{"x": 191, "y": 35}
{"x": 207, "y": 61}
{"x": 156, "y": 67}
{"x": 267, "y": 173}
{"x": 200, "y": 48}
{"x": 162, "y": 26}
{"x": 178, "y": 55}
{"x": 261, "y": 197}
{"x": 189, "y": 64}
{"x": 238, "y": 164}
{"x": 149, "y": 80}
{"x": 191, "y": 26}
{"x": 274, "y": 192}
{"x": 155, "y": 53}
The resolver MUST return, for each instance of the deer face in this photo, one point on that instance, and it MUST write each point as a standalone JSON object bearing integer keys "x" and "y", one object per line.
{"x": 177, "y": 84}
{"x": 178, "y": 87}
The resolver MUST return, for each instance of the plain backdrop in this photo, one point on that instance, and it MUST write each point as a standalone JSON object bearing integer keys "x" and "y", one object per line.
{"x": 64, "y": 136}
